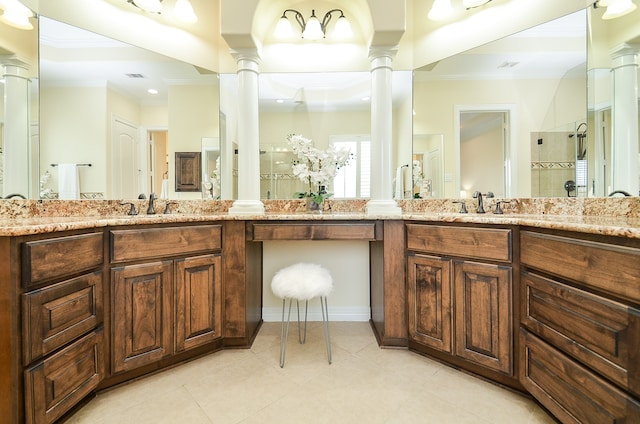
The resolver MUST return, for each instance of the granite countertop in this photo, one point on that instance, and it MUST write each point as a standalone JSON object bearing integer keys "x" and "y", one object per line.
{"x": 604, "y": 216}
{"x": 603, "y": 225}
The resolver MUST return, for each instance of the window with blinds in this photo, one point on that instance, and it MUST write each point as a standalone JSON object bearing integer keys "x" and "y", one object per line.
{"x": 353, "y": 180}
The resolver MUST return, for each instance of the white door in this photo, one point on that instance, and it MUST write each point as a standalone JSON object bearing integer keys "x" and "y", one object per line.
{"x": 125, "y": 169}
{"x": 434, "y": 172}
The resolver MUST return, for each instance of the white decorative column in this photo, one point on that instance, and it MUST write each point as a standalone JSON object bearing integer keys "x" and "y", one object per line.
{"x": 624, "y": 145}
{"x": 248, "y": 202}
{"x": 16, "y": 127}
{"x": 381, "y": 134}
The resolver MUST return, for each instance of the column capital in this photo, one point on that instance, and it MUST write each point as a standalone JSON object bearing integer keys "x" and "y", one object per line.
{"x": 625, "y": 49}
{"x": 14, "y": 60}
{"x": 250, "y": 54}
{"x": 377, "y": 52}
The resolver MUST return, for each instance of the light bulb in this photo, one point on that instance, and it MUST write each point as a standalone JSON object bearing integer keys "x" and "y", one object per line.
{"x": 343, "y": 28}
{"x": 16, "y": 15}
{"x": 440, "y": 10}
{"x": 283, "y": 28}
{"x": 617, "y": 8}
{"x": 183, "y": 10}
{"x": 313, "y": 29}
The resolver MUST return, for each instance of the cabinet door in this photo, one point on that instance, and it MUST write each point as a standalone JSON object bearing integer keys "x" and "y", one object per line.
{"x": 141, "y": 314}
{"x": 570, "y": 391}
{"x": 198, "y": 301}
{"x": 55, "y": 385}
{"x": 429, "y": 301}
{"x": 484, "y": 330}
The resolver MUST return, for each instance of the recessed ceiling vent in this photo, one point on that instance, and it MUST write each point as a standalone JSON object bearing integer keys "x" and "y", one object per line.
{"x": 507, "y": 64}
{"x": 135, "y": 75}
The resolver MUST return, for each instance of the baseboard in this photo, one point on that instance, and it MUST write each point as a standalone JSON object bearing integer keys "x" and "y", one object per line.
{"x": 350, "y": 313}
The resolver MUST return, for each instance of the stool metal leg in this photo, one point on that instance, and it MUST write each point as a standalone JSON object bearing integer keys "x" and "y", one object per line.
{"x": 302, "y": 338}
{"x": 325, "y": 320}
{"x": 284, "y": 332}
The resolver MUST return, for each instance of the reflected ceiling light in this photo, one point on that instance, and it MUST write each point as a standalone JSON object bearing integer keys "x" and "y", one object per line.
{"x": 313, "y": 28}
{"x": 617, "y": 8}
{"x": 440, "y": 10}
{"x": 183, "y": 10}
{"x": 152, "y": 91}
{"x": 16, "y": 14}
{"x": 469, "y": 4}
{"x": 151, "y": 6}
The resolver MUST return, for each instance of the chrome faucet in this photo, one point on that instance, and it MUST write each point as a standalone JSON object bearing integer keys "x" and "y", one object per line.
{"x": 478, "y": 195}
{"x": 151, "y": 210}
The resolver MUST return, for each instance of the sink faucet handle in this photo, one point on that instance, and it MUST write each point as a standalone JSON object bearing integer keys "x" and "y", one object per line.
{"x": 132, "y": 208}
{"x": 167, "y": 207}
{"x": 489, "y": 195}
{"x": 498, "y": 209}
{"x": 463, "y": 206}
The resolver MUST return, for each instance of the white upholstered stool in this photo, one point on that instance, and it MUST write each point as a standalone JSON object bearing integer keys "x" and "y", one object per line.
{"x": 302, "y": 281}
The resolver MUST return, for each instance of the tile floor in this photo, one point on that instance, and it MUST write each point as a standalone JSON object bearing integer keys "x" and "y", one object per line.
{"x": 364, "y": 384}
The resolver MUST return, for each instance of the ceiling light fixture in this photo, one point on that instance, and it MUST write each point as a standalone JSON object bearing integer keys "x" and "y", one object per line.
{"x": 615, "y": 8}
{"x": 440, "y": 10}
{"x": 151, "y": 6}
{"x": 182, "y": 10}
{"x": 16, "y": 14}
{"x": 313, "y": 28}
{"x": 470, "y": 4}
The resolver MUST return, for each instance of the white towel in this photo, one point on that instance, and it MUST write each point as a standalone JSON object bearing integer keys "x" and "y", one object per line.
{"x": 68, "y": 182}
{"x": 164, "y": 192}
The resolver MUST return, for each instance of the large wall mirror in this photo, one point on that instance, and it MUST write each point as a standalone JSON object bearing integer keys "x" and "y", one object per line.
{"x": 18, "y": 111}
{"x": 328, "y": 108}
{"x": 506, "y": 117}
{"x": 118, "y": 114}
{"x": 607, "y": 39}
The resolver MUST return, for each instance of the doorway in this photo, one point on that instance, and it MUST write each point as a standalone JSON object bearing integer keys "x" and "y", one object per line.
{"x": 485, "y": 147}
{"x": 125, "y": 164}
{"x": 158, "y": 162}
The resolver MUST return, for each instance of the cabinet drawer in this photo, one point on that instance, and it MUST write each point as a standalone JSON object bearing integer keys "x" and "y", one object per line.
{"x": 306, "y": 231}
{"x": 600, "y": 333}
{"x": 55, "y": 385}
{"x": 128, "y": 245}
{"x": 52, "y": 258}
{"x": 56, "y": 315}
{"x": 613, "y": 269}
{"x": 571, "y": 392}
{"x": 477, "y": 243}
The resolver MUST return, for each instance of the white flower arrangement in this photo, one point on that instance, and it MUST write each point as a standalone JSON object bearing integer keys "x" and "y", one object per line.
{"x": 418, "y": 176}
{"x": 316, "y": 167}
{"x": 215, "y": 180}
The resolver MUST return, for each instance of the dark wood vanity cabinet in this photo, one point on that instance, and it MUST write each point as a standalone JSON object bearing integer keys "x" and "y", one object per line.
{"x": 62, "y": 315}
{"x": 460, "y": 295}
{"x": 166, "y": 293}
{"x": 580, "y": 326}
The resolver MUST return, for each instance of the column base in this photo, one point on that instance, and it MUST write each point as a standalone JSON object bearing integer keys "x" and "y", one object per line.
{"x": 247, "y": 207}
{"x": 383, "y": 207}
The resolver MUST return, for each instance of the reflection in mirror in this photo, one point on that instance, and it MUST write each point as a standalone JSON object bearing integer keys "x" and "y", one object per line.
{"x": 614, "y": 104}
{"x": 537, "y": 77}
{"x": 428, "y": 162}
{"x": 121, "y": 109}
{"x": 211, "y": 168}
{"x": 330, "y": 109}
{"x": 19, "y": 111}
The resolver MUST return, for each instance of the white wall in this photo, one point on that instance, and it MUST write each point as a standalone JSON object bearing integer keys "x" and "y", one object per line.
{"x": 348, "y": 262}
